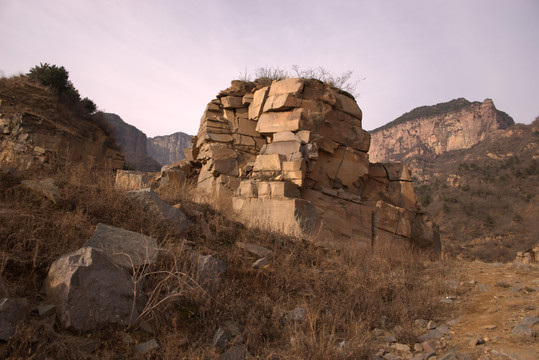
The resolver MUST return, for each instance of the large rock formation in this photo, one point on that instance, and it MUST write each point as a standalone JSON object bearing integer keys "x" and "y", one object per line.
{"x": 132, "y": 141}
{"x": 292, "y": 157}
{"x": 168, "y": 149}
{"x": 433, "y": 130}
{"x": 36, "y": 129}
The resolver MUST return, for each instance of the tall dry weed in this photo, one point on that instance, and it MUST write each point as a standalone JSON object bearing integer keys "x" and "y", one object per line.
{"x": 346, "y": 293}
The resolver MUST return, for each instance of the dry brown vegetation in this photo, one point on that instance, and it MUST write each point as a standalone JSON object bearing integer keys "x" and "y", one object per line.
{"x": 347, "y": 293}
{"x": 485, "y": 198}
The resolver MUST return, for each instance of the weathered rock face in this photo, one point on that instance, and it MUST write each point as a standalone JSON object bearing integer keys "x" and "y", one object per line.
{"x": 433, "y": 130}
{"x": 168, "y": 149}
{"x": 91, "y": 291}
{"x": 132, "y": 141}
{"x": 292, "y": 157}
{"x": 37, "y": 130}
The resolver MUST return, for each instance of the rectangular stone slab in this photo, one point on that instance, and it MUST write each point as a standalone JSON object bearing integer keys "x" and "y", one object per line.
{"x": 282, "y": 147}
{"x": 256, "y": 106}
{"x": 296, "y": 217}
{"x": 393, "y": 219}
{"x": 232, "y": 102}
{"x": 281, "y": 102}
{"x": 273, "y": 122}
{"x": 271, "y": 162}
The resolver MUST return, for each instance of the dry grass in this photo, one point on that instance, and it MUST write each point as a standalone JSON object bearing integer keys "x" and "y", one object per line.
{"x": 347, "y": 293}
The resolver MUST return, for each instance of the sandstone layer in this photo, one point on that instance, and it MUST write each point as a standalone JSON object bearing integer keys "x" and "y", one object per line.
{"x": 433, "y": 130}
{"x": 293, "y": 157}
{"x": 35, "y": 129}
{"x": 168, "y": 149}
{"x": 132, "y": 141}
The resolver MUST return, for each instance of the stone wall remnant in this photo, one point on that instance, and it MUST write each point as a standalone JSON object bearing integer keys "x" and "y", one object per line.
{"x": 293, "y": 157}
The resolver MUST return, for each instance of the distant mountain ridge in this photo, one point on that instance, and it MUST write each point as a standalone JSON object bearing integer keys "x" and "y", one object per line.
{"x": 132, "y": 142}
{"x": 433, "y": 130}
{"x": 168, "y": 149}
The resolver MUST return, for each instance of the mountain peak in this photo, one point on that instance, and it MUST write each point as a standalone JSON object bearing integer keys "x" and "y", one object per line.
{"x": 435, "y": 129}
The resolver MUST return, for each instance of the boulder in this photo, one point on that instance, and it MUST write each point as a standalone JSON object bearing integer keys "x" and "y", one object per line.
{"x": 46, "y": 187}
{"x": 209, "y": 270}
{"x": 92, "y": 292}
{"x": 146, "y": 347}
{"x": 12, "y": 312}
{"x": 126, "y": 248}
{"x": 132, "y": 180}
{"x": 152, "y": 203}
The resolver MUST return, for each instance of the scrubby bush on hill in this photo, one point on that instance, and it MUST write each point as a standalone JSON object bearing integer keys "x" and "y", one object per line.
{"x": 57, "y": 79}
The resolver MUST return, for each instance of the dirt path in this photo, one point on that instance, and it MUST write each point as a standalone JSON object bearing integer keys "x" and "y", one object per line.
{"x": 499, "y": 310}
{"x": 494, "y": 315}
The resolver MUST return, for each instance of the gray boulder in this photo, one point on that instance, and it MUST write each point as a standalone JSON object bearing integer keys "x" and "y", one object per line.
{"x": 523, "y": 331}
{"x": 46, "y": 187}
{"x": 12, "y": 311}
{"x": 147, "y": 346}
{"x": 125, "y": 248}
{"x": 155, "y": 205}
{"x": 91, "y": 291}
{"x": 209, "y": 270}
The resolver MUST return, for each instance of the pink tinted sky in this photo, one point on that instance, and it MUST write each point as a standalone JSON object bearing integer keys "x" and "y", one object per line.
{"x": 157, "y": 63}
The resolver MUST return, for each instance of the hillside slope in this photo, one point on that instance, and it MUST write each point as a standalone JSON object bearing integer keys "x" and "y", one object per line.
{"x": 35, "y": 128}
{"x": 485, "y": 198}
{"x": 168, "y": 149}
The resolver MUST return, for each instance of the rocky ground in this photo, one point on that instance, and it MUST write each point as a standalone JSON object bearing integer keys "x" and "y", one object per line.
{"x": 496, "y": 316}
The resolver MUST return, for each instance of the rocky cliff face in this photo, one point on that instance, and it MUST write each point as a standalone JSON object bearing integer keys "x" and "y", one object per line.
{"x": 132, "y": 141}
{"x": 433, "y": 130}
{"x": 292, "y": 157}
{"x": 168, "y": 149}
{"x": 35, "y": 129}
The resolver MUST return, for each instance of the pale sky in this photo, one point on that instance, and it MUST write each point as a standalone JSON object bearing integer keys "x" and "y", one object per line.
{"x": 158, "y": 63}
